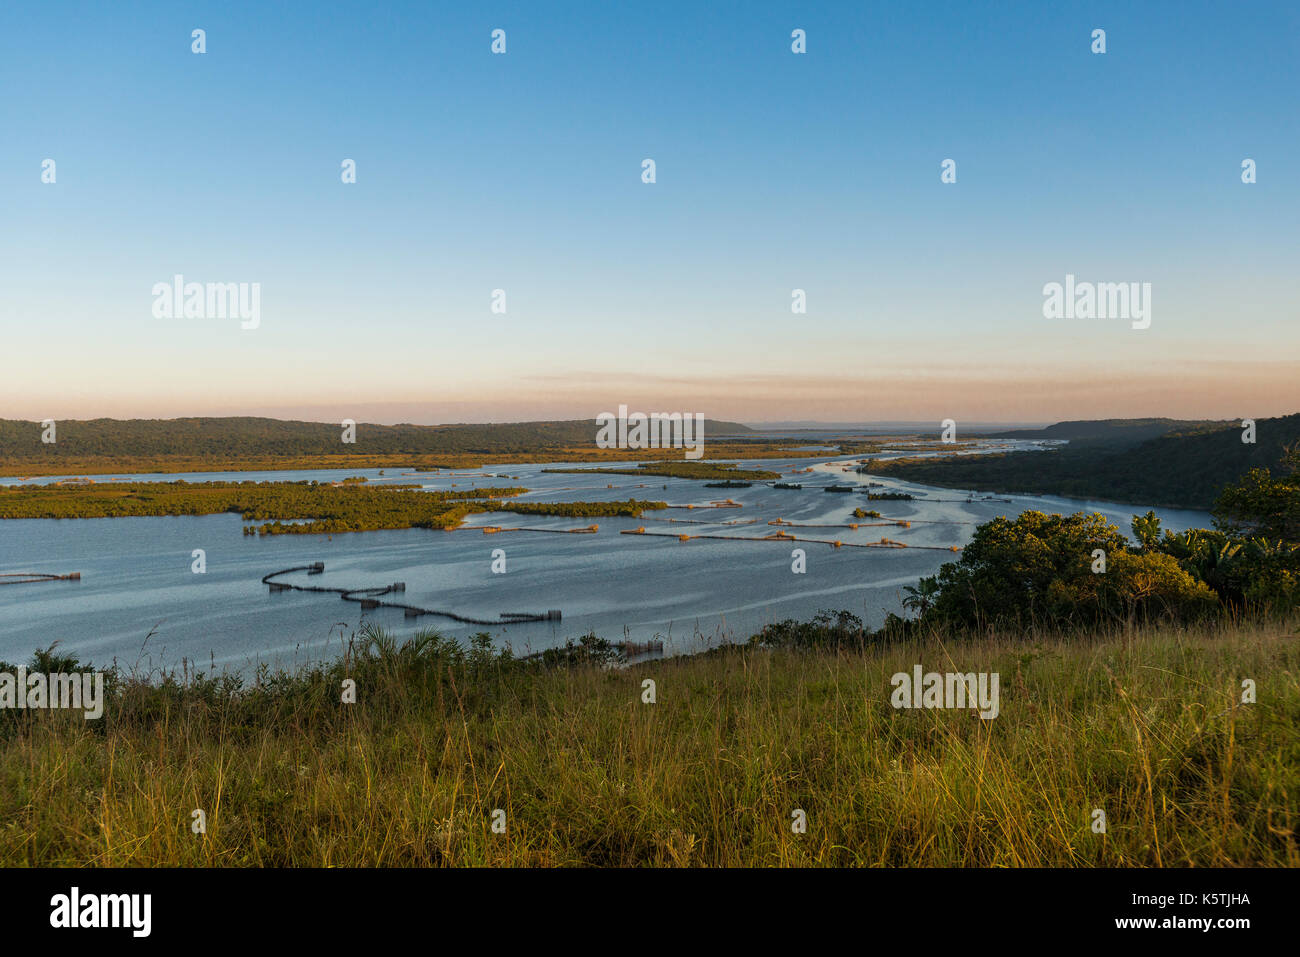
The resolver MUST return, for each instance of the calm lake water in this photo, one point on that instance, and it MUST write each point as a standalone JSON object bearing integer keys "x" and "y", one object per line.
{"x": 139, "y": 602}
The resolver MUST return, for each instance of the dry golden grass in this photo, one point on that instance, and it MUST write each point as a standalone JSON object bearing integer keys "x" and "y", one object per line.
{"x": 1144, "y": 723}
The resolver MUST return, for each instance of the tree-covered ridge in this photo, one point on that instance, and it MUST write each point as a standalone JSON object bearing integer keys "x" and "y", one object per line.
{"x": 224, "y": 440}
{"x": 1183, "y": 468}
{"x": 290, "y": 507}
{"x": 1114, "y": 430}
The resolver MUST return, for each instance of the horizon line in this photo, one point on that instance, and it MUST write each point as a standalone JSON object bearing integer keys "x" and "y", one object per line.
{"x": 762, "y": 425}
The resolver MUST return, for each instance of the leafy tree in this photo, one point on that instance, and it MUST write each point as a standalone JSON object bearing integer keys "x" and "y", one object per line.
{"x": 836, "y": 629}
{"x": 1146, "y": 529}
{"x": 1259, "y": 504}
{"x": 1039, "y": 568}
{"x": 920, "y": 597}
{"x": 1263, "y": 569}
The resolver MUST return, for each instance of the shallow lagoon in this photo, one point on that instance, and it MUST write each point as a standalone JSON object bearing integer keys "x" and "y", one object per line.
{"x": 137, "y": 582}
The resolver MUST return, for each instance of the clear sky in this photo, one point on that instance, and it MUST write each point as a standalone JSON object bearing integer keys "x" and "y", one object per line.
{"x": 775, "y": 171}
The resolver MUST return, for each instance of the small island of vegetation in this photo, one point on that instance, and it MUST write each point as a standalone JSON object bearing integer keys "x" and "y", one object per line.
{"x": 684, "y": 470}
{"x": 297, "y": 508}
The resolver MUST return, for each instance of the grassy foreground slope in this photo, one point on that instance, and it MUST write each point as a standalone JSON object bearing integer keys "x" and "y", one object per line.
{"x": 1145, "y": 724}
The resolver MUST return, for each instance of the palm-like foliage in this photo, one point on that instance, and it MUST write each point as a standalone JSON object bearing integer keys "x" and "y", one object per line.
{"x": 920, "y": 597}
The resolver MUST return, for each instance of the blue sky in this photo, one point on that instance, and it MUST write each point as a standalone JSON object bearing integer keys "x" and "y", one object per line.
{"x": 775, "y": 171}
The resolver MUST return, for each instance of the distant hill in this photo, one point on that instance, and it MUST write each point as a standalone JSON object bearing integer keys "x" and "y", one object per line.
{"x": 1112, "y": 430}
{"x": 229, "y": 438}
{"x": 1185, "y": 464}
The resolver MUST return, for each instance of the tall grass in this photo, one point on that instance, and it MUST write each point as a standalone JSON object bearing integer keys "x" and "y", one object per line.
{"x": 1143, "y": 723}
